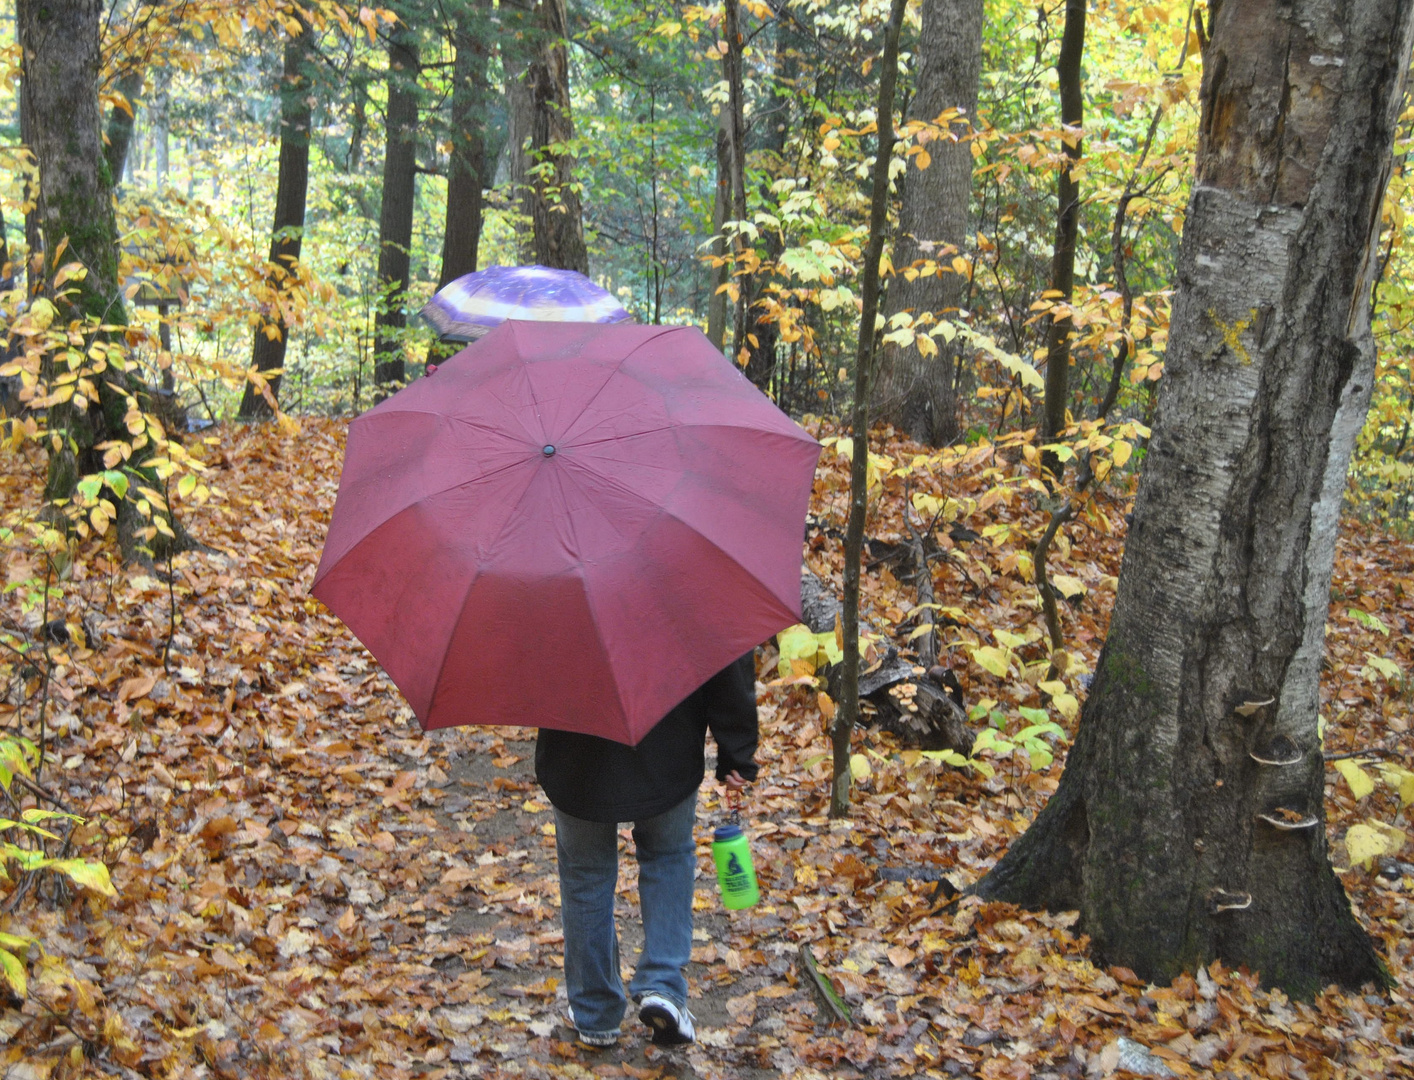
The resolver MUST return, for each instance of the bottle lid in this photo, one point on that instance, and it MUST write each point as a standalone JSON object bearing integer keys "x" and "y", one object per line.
{"x": 726, "y": 832}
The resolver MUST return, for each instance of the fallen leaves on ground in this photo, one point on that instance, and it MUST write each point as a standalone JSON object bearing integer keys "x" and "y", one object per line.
{"x": 309, "y": 886}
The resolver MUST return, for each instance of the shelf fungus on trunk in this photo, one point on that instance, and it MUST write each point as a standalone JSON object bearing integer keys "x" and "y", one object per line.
{"x": 1220, "y": 900}
{"x": 1279, "y": 752}
{"x": 1289, "y": 820}
{"x": 1249, "y": 709}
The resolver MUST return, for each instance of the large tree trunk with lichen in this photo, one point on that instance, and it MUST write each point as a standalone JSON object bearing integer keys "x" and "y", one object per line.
{"x": 1189, "y": 823}
{"x": 291, "y": 195}
{"x": 916, "y": 393}
{"x": 60, "y": 44}
{"x": 541, "y": 126}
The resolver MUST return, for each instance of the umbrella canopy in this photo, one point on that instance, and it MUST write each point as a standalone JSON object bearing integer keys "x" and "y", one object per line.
{"x": 475, "y": 303}
{"x": 569, "y": 526}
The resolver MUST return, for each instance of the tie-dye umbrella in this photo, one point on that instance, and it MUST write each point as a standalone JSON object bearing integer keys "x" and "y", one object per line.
{"x": 475, "y": 303}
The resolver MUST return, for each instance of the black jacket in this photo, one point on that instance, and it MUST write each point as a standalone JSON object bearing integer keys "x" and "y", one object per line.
{"x": 599, "y": 780}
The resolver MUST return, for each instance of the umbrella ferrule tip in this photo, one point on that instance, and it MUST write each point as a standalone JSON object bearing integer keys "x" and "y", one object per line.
{"x": 548, "y": 450}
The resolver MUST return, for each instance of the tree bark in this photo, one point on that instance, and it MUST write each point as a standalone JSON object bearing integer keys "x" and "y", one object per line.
{"x": 847, "y": 715}
{"x": 774, "y": 125}
{"x": 161, "y": 133}
{"x": 1189, "y": 823}
{"x": 721, "y": 209}
{"x": 916, "y": 393}
{"x": 120, "y": 125}
{"x": 60, "y": 47}
{"x": 395, "y": 217}
{"x": 1067, "y": 227}
{"x": 551, "y": 199}
{"x": 296, "y": 110}
{"x": 467, "y": 176}
{"x": 736, "y": 132}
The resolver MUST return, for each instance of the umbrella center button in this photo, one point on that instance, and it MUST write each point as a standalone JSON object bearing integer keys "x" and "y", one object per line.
{"x": 548, "y": 450}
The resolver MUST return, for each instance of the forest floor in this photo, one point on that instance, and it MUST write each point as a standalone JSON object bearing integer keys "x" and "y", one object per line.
{"x": 310, "y": 886}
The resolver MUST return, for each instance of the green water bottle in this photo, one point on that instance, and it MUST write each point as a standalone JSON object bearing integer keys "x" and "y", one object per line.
{"x": 735, "y": 874}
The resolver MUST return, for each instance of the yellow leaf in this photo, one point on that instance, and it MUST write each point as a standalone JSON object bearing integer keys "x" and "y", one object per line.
{"x": 91, "y": 875}
{"x": 1068, "y": 586}
{"x": 1367, "y": 842}
{"x": 1361, "y": 783}
{"x": 14, "y": 972}
{"x": 1402, "y": 780}
{"x": 997, "y": 661}
{"x": 1121, "y": 451}
{"x": 859, "y": 767}
{"x": 42, "y": 313}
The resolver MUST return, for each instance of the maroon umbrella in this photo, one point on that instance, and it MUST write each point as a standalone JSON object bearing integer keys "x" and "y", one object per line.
{"x": 570, "y": 525}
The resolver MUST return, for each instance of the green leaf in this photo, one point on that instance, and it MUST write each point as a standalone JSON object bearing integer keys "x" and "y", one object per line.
{"x": 1388, "y": 668}
{"x": 15, "y": 943}
{"x": 991, "y": 739}
{"x": 91, "y": 875}
{"x": 1039, "y": 753}
{"x": 33, "y": 816}
{"x": 14, "y": 972}
{"x": 948, "y": 757}
{"x": 186, "y": 485}
{"x": 1038, "y": 717}
{"x": 1008, "y": 639}
{"x": 1365, "y": 618}
{"x": 119, "y": 483}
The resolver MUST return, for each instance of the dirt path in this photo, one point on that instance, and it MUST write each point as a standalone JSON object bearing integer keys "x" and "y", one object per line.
{"x": 510, "y": 947}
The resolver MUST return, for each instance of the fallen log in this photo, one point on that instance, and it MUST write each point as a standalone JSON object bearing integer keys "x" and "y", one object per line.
{"x": 919, "y": 704}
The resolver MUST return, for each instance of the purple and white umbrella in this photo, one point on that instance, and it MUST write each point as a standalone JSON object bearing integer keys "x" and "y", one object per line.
{"x": 476, "y": 303}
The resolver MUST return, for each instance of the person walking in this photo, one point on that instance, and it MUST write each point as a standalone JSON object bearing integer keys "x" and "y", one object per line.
{"x": 593, "y": 785}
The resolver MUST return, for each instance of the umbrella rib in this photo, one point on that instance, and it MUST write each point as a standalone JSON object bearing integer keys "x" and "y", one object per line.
{"x": 626, "y": 490}
{"x": 684, "y": 427}
{"x": 620, "y": 364}
{"x": 466, "y": 596}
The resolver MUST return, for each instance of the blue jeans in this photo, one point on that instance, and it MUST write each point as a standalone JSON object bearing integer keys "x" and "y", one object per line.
{"x": 588, "y": 854}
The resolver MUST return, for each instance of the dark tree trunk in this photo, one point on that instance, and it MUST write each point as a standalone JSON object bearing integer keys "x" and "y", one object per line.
{"x": 539, "y": 123}
{"x": 1067, "y": 226}
{"x": 60, "y": 45}
{"x": 1189, "y": 823}
{"x": 847, "y": 714}
{"x": 292, "y": 189}
{"x": 395, "y": 218}
{"x": 467, "y": 178}
{"x": 133, "y": 71}
{"x": 120, "y": 125}
{"x": 775, "y": 125}
{"x": 520, "y": 123}
{"x": 721, "y": 211}
{"x": 736, "y": 131}
{"x": 916, "y": 393}
{"x": 34, "y": 241}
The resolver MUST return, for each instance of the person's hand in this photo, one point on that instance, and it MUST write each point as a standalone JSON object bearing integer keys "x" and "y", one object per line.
{"x": 735, "y": 781}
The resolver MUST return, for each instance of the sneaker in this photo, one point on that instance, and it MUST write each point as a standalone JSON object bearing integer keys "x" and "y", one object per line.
{"x": 672, "y": 1026}
{"x": 598, "y": 1039}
